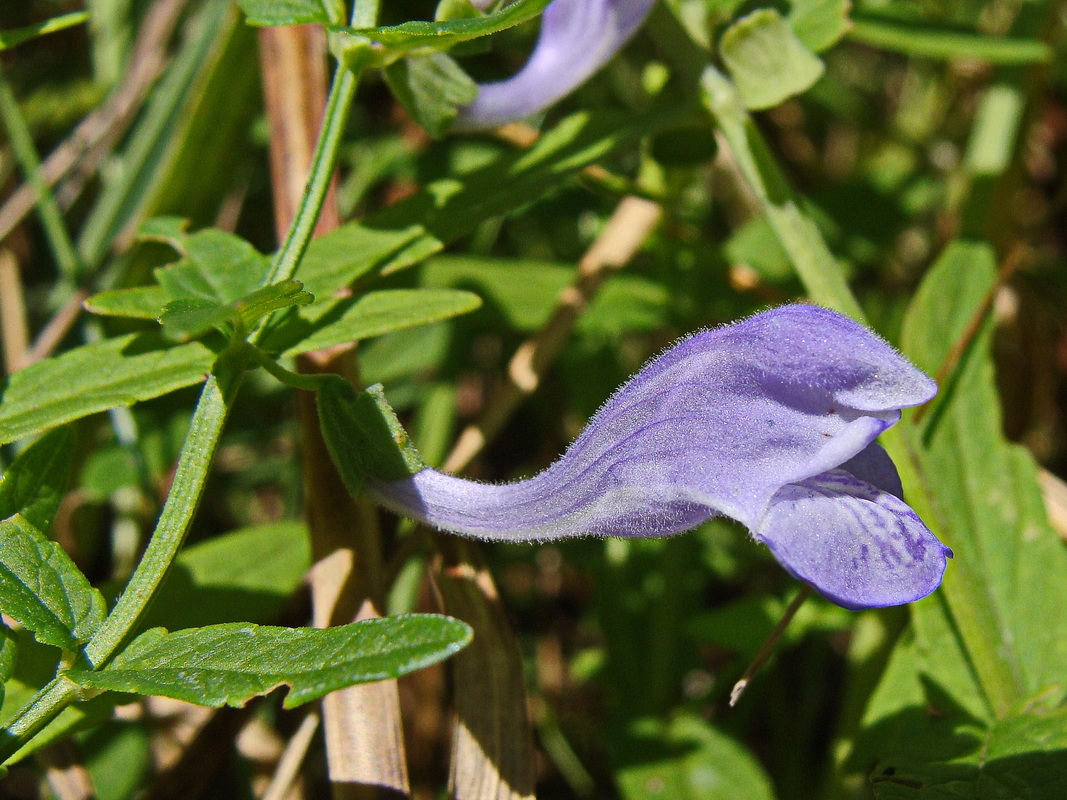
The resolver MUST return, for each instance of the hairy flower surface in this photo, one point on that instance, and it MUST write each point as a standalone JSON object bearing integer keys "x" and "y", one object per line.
{"x": 577, "y": 38}
{"x": 770, "y": 421}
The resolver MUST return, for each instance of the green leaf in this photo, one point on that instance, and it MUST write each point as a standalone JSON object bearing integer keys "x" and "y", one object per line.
{"x": 526, "y": 292}
{"x": 230, "y": 664}
{"x": 767, "y": 61}
{"x": 240, "y": 576}
{"x": 364, "y": 436}
{"x": 687, "y": 759}
{"x": 10, "y": 38}
{"x": 452, "y": 207}
{"x": 984, "y": 486}
{"x": 96, "y": 377}
{"x": 432, "y": 89}
{"x": 217, "y": 266}
{"x": 34, "y": 484}
{"x": 187, "y": 318}
{"x": 819, "y": 24}
{"x": 409, "y": 36}
{"x": 926, "y": 41}
{"x": 375, "y": 313}
{"x": 267, "y": 13}
{"x": 140, "y": 302}
{"x": 42, "y": 588}
{"x": 170, "y": 230}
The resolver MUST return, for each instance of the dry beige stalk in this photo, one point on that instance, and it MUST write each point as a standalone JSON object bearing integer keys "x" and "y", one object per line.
{"x": 364, "y": 740}
{"x": 14, "y": 329}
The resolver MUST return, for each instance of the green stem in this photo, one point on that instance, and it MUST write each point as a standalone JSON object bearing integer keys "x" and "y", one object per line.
{"x": 342, "y": 92}
{"x": 26, "y": 153}
{"x": 800, "y": 237}
{"x": 295, "y": 380}
{"x": 194, "y": 462}
{"x": 46, "y": 705}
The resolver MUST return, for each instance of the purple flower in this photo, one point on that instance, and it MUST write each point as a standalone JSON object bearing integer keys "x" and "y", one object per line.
{"x": 577, "y": 38}
{"x": 770, "y": 421}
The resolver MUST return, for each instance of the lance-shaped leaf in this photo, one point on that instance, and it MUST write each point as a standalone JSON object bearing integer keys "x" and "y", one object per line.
{"x": 96, "y": 377}
{"x": 577, "y": 38}
{"x": 232, "y": 663}
{"x": 770, "y": 421}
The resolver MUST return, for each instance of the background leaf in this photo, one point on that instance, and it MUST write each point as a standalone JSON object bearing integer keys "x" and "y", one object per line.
{"x": 230, "y": 664}
{"x": 766, "y": 60}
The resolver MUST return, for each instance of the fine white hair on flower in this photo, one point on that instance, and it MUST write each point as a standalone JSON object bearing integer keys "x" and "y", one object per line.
{"x": 771, "y": 421}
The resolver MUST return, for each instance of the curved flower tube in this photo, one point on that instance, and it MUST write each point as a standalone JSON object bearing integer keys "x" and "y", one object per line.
{"x": 770, "y": 421}
{"x": 577, "y": 38}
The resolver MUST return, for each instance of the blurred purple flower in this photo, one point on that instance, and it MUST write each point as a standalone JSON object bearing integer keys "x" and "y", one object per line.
{"x": 577, "y": 38}
{"x": 770, "y": 421}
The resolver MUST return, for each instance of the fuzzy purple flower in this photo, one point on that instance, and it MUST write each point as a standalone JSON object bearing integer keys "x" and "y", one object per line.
{"x": 770, "y": 421}
{"x": 577, "y": 38}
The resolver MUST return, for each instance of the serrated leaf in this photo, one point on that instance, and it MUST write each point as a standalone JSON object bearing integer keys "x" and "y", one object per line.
{"x": 139, "y": 302}
{"x": 409, "y": 36}
{"x": 96, "y": 377}
{"x": 34, "y": 484}
{"x": 230, "y": 664}
{"x": 41, "y": 587}
{"x": 364, "y": 436}
{"x": 375, "y": 313}
{"x": 432, "y": 89}
{"x": 10, "y": 38}
{"x": 268, "y": 13}
{"x": 766, "y": 59}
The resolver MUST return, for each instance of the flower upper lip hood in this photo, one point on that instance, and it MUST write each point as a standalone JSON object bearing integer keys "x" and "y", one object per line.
{"x": 770, "y": 421}
{"x": 577, "y": 38}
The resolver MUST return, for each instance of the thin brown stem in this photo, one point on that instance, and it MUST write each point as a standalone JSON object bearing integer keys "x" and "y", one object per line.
{"x": 57, "y": 328}
{"x": 768, "y": 646}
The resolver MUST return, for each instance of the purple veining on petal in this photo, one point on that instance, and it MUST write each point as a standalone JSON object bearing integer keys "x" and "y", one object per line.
{"x": 577, "y": 38}
{"x": 858, "y": 545}
{"x": 770, "y": 421}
